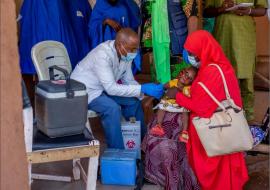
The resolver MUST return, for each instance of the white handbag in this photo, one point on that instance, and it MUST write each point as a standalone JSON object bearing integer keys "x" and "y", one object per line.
{"x": 227, "y": 130}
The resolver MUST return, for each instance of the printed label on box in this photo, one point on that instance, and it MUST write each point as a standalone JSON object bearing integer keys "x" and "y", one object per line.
{"x": 132, "y": 135}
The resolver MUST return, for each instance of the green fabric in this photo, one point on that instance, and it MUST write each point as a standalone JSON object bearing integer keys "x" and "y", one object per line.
{"x": 247, "y": 94}
{"x": 161, "y": 40}
{"x": 148, "y": 6}
{"x": 208, "y": 24}
{"x": 183, "y": 3}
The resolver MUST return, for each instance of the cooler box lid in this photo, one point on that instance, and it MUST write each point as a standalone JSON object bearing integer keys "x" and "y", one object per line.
{"x": 119, "y": 154}
{"x": 57, "y": 88}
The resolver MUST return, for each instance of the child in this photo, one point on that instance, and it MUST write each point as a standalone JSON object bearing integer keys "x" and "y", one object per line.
{"x": 181, "y": 83}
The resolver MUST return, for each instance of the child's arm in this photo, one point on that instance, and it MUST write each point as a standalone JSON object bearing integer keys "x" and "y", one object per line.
{"x": 171, "y": 84}
{"x": 167, "y": 85}
{"x": 180, "y": 86}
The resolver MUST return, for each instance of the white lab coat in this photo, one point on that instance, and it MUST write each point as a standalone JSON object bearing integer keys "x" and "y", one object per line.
{"x": 100, "y": 70}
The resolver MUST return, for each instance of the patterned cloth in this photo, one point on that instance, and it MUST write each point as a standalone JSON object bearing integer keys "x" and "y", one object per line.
{"x": 166, "y": 162}
{"x": 147, "y": 33}
{"x": 258, "y": 134}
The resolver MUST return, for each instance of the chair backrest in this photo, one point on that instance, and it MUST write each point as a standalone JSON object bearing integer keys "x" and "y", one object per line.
{"x": 48, "y": 53}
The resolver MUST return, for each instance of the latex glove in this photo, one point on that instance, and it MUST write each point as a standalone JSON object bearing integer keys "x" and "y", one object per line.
{"x": 151, "y": 89}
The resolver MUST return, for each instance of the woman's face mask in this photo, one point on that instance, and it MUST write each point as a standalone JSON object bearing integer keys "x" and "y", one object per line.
{"x": 191, "y": 59}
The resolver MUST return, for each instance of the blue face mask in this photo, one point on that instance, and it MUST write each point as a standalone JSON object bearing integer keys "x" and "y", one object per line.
{"x": 190, "y": 59}
{"x": 129, "y": 56}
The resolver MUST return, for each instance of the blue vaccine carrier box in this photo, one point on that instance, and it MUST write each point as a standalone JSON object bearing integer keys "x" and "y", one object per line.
{"x": 118, "y": 167}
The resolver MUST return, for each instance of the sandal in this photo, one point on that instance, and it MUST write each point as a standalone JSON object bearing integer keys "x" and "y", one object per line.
{"x": 183, "y": 137}
{"x": 157, "y": 130}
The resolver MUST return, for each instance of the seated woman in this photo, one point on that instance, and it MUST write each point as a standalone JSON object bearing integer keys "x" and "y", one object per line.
{"x": 181, "y": 83}
{"x": 219, "y": 172}
{"x": 165, "y": 157}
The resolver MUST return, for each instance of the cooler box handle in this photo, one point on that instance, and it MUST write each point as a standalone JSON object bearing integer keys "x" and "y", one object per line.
{"x": 69, "y": 91}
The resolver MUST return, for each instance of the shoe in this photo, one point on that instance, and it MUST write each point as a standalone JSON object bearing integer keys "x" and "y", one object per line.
{"x": 157, "y": 130}
{"x": 183, "y": 137}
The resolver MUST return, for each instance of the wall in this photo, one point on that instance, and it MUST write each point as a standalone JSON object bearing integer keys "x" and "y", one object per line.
{"x": 262, "y": 27}
{"x": 13, "y": 164}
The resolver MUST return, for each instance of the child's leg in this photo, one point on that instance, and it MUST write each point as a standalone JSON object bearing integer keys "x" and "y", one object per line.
{"x": 183, "y": 137}
{"x": 158, "y": 130}
{"x": 160, "y": 116}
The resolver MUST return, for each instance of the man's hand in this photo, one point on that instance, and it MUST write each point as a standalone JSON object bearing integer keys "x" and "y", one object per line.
{"x": 171, "y": 92}
{"x": 115, "y": 25}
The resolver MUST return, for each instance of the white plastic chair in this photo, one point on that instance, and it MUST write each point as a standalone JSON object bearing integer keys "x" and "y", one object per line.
{"x": 49, "y": 53}
{"x": 45, "y": 54}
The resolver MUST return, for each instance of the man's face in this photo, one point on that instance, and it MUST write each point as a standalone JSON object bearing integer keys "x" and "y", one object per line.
{"x": 112, "y": 2}
{"x": 129, "y": 47}
{"x": 187, "y": 76}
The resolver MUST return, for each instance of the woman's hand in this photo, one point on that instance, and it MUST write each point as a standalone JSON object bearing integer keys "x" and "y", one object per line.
{"x": 225, "y": 5}
{"x": 171, "y": 92}
{"x": 115, "y": 25}
{"x": 241, "y": 11}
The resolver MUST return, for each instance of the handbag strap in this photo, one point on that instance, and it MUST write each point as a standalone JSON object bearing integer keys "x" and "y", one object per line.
{"x": 212, "y": 96}
{"x": 228, "y": 96}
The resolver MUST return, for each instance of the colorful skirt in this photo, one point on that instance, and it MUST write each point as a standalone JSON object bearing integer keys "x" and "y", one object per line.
{"x": 166, "y": 162}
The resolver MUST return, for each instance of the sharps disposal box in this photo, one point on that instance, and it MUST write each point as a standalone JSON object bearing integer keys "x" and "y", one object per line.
{"x": 60, "y": 106}
{"x": 131, "y": 132}
{"x": 118, "y": 167}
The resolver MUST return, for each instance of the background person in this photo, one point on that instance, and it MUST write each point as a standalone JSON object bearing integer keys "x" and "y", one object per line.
{"x": 109, "y": 16}
{"x": 236, "y": 33}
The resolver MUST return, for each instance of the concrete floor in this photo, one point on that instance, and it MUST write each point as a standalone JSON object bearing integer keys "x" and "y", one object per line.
{"x": 258, "y": 165}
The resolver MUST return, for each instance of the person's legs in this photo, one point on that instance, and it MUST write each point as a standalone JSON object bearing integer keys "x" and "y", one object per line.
{"x": 110, "y": 113}
{"x": 247, "y": 93}
{"x": 131, "y": 107}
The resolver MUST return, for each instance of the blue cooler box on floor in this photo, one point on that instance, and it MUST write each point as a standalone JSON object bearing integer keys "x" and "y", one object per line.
{"x": 118, "y": 167}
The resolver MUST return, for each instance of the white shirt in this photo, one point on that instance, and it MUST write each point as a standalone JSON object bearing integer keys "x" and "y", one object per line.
{"x": 100, "y": 70}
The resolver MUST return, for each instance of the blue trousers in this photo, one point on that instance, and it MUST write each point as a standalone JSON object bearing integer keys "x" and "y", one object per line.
{"x": 110, "y": 109}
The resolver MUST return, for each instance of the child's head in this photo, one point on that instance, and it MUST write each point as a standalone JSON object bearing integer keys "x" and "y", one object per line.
{"x": 187, "y": 75}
